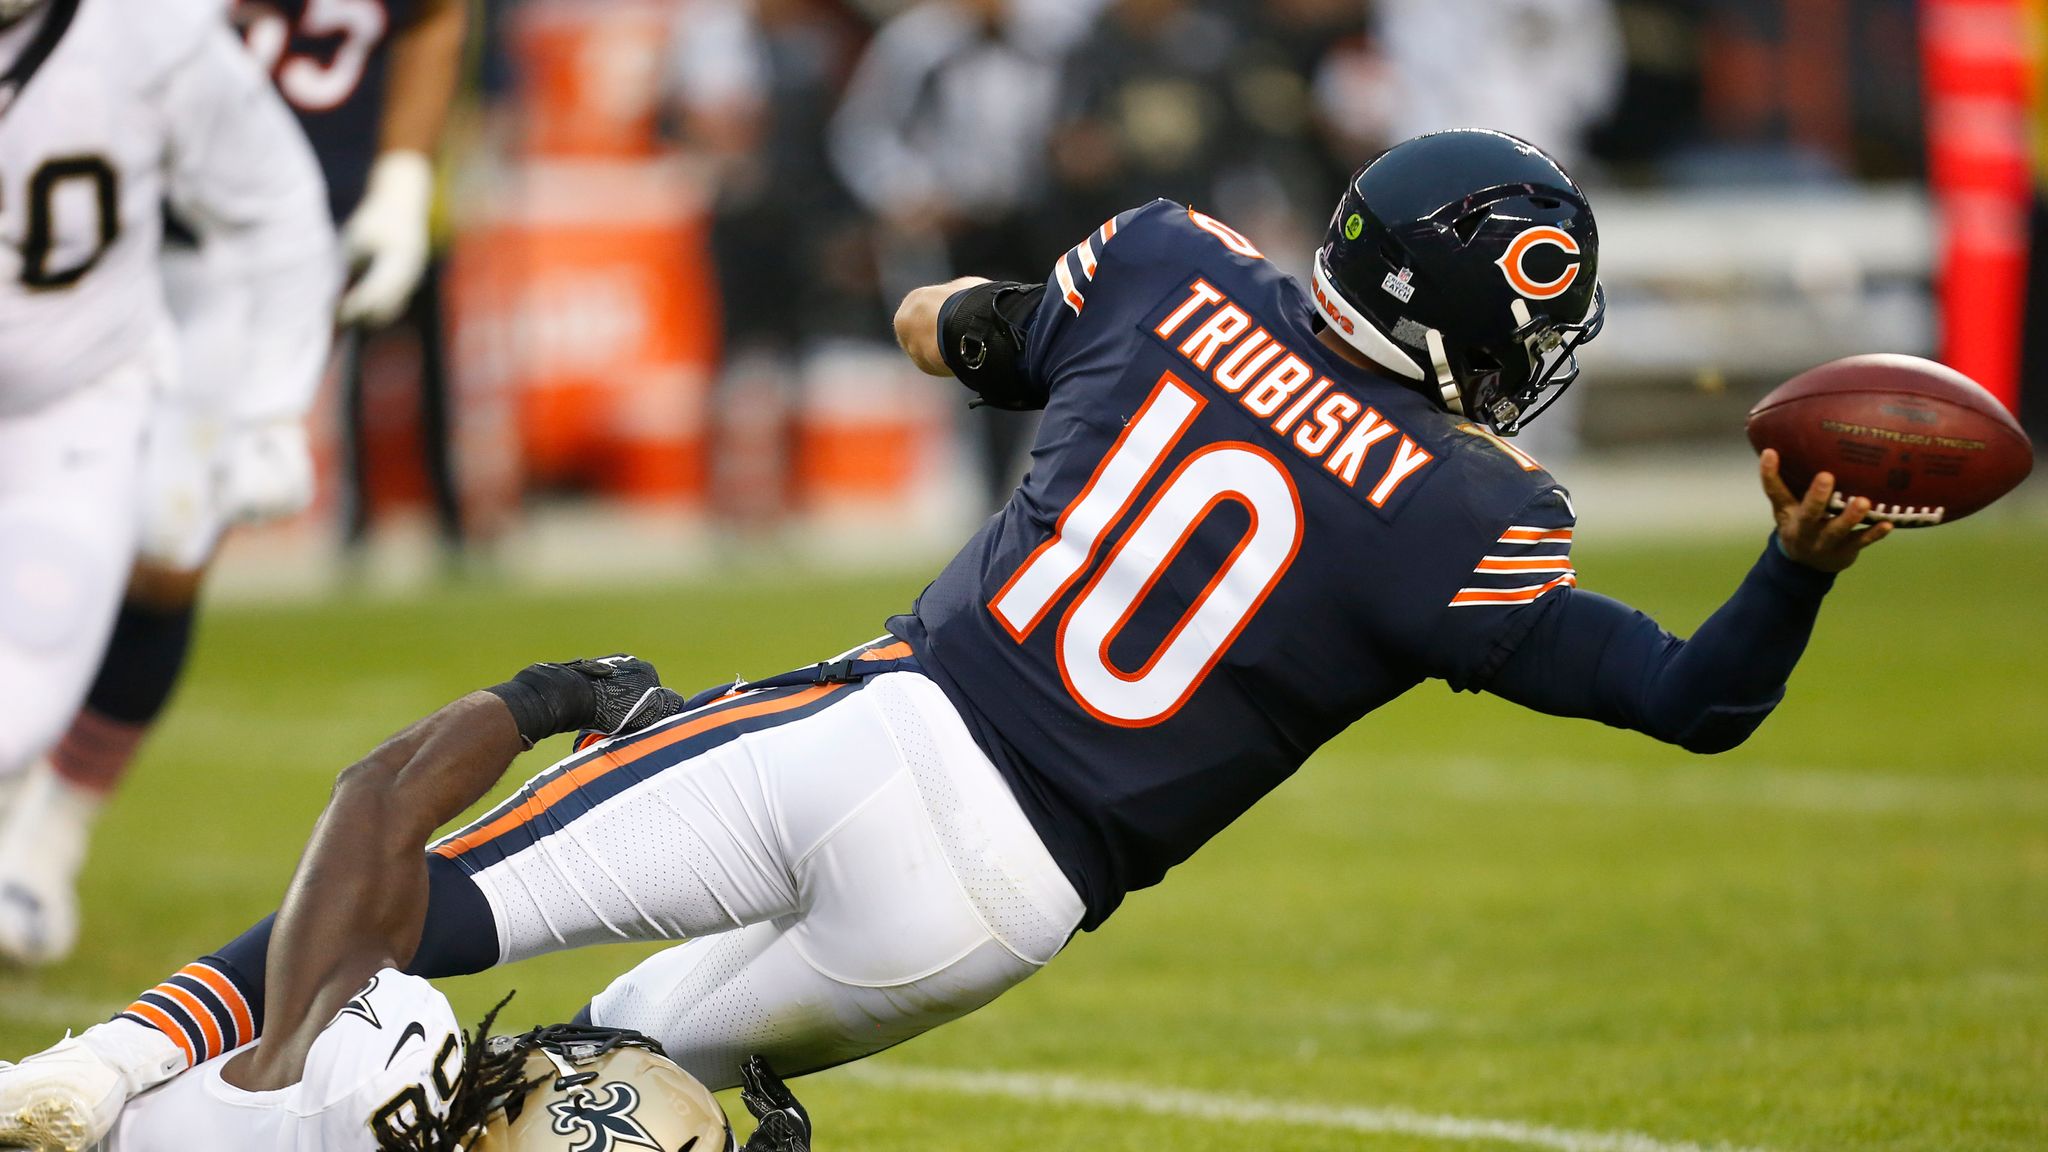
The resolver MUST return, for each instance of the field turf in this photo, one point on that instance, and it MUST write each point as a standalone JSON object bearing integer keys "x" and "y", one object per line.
{"x": 1834, "y": 938}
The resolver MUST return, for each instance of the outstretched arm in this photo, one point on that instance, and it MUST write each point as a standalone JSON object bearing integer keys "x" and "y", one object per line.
{"x": 358, "y": 902}
{"x": 1592, "y": 657}
{"x": 359, "y": 898}
{"x": 975, "y": 330}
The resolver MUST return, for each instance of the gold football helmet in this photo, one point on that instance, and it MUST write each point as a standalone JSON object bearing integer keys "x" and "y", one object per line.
{"x": 600, "y": 1090}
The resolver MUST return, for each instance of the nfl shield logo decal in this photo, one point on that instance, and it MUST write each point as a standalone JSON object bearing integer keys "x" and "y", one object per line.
{"x": 1397, "y": 285}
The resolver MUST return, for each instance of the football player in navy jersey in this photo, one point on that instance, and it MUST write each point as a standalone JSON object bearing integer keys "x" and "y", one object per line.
{"x": 1256, "y": 511}
{"x": 370, "y": 83}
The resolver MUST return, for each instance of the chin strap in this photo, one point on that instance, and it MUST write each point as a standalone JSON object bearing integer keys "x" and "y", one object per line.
{"x": 1446, "y": 383}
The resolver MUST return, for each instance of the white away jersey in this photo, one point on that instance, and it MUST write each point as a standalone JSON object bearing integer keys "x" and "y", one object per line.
{"x": 108, "y": 109}
{"x": 390, "y": 1057}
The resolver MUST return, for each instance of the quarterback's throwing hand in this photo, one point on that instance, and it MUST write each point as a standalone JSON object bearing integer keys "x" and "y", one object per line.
{"x": 1807, "y": 532}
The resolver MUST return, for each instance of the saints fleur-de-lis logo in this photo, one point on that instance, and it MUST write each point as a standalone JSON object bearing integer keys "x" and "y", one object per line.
{"x": 602, "y": 1120}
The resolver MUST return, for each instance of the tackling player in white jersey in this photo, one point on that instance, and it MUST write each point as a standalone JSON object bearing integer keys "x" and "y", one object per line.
{"x": 355, "y": 1055}
{"x": 370, "y": 82}
{"x": 109, "y": 109}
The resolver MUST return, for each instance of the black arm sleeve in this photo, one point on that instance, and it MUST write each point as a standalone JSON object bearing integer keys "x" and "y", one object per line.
{"x": 1597, "y": 658}
{"x": 982, "y": 333}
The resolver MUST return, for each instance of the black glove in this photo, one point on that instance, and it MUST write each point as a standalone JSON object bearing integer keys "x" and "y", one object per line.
{"x": 608, "y": 695}
{"x": 782, "y": 1125}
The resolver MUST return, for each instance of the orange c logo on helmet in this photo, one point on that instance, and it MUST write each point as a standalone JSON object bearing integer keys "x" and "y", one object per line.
{"x": 1511, "y": 262}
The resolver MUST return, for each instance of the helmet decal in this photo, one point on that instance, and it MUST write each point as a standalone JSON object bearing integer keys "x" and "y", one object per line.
{"x": 1355, "y": 329}
{"x": 1400, "y": 285}
{"x": 602, "y": 1121}
{"x": 1513, "y": 262}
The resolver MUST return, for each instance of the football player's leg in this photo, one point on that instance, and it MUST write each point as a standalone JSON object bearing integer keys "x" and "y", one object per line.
{"x": 926, "y": 902}
{"x": 67, "y": 475}
{"x": 714, "y": 1002}
{"x": 652, "y": 836}
{"x": 668, "y": 834}
{"x": 177, "y": 528}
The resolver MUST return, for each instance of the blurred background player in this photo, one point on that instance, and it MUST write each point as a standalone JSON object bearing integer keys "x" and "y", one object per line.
{"x": 356, "y": 1056}
{"x": 370, "y": 83}
{"x": 945, "y": 81}
{"x": 753, "y": 85}
{"x": 108, "y": 111}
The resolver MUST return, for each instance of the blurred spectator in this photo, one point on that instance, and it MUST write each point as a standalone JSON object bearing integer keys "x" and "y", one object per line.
{"x": 1313, "y": 100}
{"x": 1147, "y": 111}
{"x": 942, "y": 135}
{"x": 1545, "y": 70}
{"x": 755, "y": 83}
{"x": 1208, "y": 104}
{"x": 1765, "y": 91}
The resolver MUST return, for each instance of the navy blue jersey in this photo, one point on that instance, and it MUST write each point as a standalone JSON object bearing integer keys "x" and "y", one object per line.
{"x": 329, "y": 59}
{"x": 1232, "y": 544}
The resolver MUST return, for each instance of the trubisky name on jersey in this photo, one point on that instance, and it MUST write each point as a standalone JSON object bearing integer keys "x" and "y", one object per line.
{"x": 1311, "y": 413}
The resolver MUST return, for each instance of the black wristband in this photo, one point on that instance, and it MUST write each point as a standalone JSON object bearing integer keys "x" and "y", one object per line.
{"x": 983, "y": 331}
{"x": 547, "y": 700}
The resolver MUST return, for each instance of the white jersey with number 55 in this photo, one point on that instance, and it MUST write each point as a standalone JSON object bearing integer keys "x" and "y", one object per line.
{"x": 109, "y": 109}
{"x": 391, "y": 1058}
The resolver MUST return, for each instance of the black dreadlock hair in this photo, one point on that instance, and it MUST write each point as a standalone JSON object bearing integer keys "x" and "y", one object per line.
{"x": 484, "y": 1080}
{"x": 494, "y": 1079}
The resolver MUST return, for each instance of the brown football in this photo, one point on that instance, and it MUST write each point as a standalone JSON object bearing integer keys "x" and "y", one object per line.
{"x": 1922, "y": 442}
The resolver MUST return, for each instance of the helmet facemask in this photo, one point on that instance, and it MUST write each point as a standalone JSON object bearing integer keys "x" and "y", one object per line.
{"x": 1532, "y": 371}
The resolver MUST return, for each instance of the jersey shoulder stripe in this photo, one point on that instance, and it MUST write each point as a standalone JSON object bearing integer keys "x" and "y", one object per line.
{"x": 1079, "y": 264}
{"x": 1527, "y": 561}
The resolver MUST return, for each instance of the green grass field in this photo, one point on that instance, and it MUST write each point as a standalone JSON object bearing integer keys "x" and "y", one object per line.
{"x": 1834, "y": 938}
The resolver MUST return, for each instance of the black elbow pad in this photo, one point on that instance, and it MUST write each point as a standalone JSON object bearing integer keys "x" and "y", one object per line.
{"x": 982, "y": 331}
{"x": 1722, "y": 728}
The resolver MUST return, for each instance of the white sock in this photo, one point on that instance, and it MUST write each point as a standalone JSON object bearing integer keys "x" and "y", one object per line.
{"x": 142, "y": 1055}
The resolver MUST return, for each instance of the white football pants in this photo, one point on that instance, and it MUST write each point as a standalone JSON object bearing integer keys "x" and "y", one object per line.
{"x": 182, "y": 518}
{"x": 848, "y": 867}
{"x": 67, "y": 537}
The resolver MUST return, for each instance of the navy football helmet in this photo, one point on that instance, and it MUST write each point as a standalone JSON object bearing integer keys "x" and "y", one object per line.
{"x": 1466, "y": 261}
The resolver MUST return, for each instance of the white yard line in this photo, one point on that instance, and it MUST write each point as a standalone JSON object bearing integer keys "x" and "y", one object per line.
{"x": 1183, "y": 1104}
{"x": 24, "y": 1006}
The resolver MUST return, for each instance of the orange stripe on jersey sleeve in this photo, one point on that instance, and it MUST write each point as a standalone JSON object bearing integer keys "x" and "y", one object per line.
{"x": 1536, "y": 536}
{"x": 568, "y": 782}
{"x": 1071, "y": 294}
{"x": 895, "y": 651}
{"x": 1086, "y": 251}
{"x": 1525, "y": 564}
{"x": 1467, "y": 597}
{"x": 1108, "y": 230}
